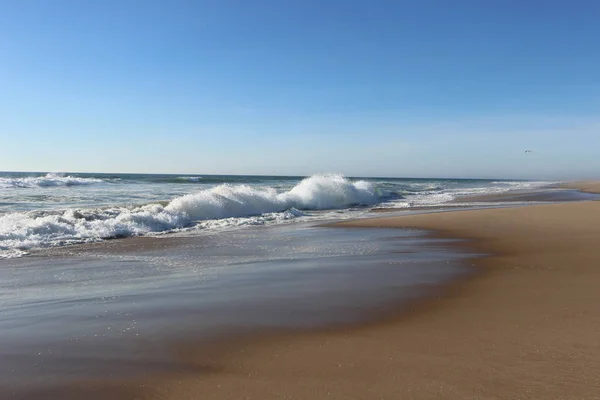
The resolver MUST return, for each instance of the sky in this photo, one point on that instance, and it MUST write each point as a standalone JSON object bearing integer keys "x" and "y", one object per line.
{"x": 428, "y": 88}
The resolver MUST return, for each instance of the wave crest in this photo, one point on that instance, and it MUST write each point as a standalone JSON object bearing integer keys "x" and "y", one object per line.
{"x": 232, "y": 205}
{"x": 319, "y": 192}
{"x": 51, "y": 179}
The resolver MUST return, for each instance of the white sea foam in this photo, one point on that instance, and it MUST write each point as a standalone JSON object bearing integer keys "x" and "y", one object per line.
{"x": 50, "y": 179}
{"x": 190, "y": 178}
{"x": 211, "y": 207}
{"x": 231, "y": 205}
{"x": 436, "y": 194}
{"x": 319, "y": 192}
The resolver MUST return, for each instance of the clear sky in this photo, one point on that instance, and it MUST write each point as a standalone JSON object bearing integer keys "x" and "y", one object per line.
{"x": 445, "y": 88}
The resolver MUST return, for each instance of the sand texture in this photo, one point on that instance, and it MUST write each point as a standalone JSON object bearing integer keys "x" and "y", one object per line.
{"x": 527, "y": 326}
{"x": 584, "y": 186}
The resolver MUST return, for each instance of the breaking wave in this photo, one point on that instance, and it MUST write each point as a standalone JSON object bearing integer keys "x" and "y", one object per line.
{"x": 229, "y": 204}
{"x": 188, "y": 179}
{"x": 50, "y": 179}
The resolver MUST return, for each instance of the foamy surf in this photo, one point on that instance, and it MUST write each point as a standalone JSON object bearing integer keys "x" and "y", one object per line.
{"x": 50, "y": 179}
{"x": 189, "y": 178}
{"x": 319, "y": 192}
{"x": 47, "y": 210}
{"x": 218, "y": 206}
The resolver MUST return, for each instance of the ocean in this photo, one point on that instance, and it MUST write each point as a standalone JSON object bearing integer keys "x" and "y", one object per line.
{"x": 103, "y": 276}
{"x": 42, "y": 210}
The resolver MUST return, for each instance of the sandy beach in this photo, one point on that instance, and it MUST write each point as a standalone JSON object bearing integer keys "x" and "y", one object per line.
{"x": 299, "y": 200}
{"x": 584, "y": 186}
{"x": 525, "y": 327}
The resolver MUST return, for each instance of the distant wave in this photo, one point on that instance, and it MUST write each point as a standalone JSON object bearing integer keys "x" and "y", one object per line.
{"x": 522, "y": 185}
{"x": 26, "y": 230}
{"x": 50, "y": 179}
{"x": 189, "y": 178}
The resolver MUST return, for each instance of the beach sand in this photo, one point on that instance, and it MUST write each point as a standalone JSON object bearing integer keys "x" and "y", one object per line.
{"x": 526, "y": 327}
{"x": 584, "y": 186}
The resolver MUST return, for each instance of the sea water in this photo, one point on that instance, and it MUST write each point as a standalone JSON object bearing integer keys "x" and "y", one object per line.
{"x": 41, "y": 210}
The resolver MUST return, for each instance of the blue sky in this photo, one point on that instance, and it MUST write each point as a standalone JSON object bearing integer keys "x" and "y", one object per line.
{"x": 386, "y": 88}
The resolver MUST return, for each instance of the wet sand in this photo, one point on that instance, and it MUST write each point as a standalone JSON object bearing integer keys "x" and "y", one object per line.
{"x": 76, "y": 320}
{"x": 584, "y": 186}
{"x": 525, "y": 327}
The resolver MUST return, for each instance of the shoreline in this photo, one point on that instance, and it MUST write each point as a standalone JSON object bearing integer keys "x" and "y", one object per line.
{"x": 583, "y": 186}
{"x": 335, "y": 291}
{"x": 488, "y": 336}
{"x": 524, "y": 327}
